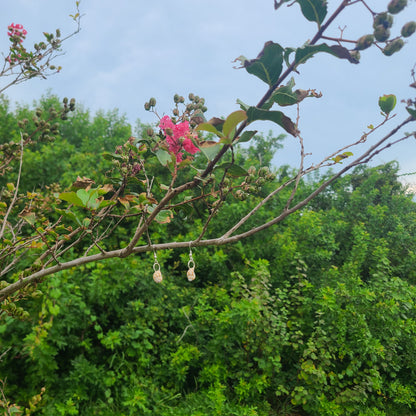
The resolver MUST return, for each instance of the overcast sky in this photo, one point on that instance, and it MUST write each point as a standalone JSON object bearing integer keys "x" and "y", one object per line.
{"x": 129, "y": 51}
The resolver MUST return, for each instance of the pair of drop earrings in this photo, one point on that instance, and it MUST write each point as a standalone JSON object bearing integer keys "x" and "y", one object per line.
{"x": 190, "y": 274}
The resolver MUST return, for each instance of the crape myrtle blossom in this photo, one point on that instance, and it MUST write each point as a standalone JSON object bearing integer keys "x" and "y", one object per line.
{"x": 178, "y": 137}
{"x": 16, "y": 34}
{"x": 17, "y": 30}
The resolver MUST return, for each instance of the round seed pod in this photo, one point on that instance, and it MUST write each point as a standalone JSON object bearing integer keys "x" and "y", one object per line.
{"x": 364, "y": 42}
{"x": 381, "y": 33}
{"x": 384, "y": 19}
{"x": 408, "y": 29}
{"x": 396, "y": 6}
{"x": 393, "y": 47}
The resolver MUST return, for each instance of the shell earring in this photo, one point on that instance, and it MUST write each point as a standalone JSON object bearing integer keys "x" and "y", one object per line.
{"x": 157, "y": 275}
{"x": 190, "y": 274}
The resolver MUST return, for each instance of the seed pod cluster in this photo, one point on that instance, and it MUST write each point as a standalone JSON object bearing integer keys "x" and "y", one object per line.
{"x": 254, "y": 181}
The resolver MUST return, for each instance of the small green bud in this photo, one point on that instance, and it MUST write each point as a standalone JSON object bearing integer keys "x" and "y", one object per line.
{"x": 147, "y": 106}
{"x": 181, "y": 99}
{"x": 152, "y": 102}
{"x": 408, "y": 29}
{"x": 38, "y": 112}
{"x": 176, "y": 98}
{"x": 384, "y": 19}
{"x": 150, "y": 132}
{"x": 175, "y": 112}
{"x": 58, "y": 33}
{"x": 191, "y": 96}
{"x": 204, "y": 109}
{"x": 364, "y": 42}
{"x": 65, "y": 100}
{"x": 263, "y": 171}
{"x": 381, "y": 33}
{"x": 241, "y": 195}
{"x": 396, "y": 6}
{"x": 393, "y": 47}
{"x": 251, "y": 170}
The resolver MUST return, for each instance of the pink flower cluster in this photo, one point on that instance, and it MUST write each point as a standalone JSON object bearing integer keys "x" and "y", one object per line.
{"x": 178, "y": 137}
{"x": 17, "y": 30}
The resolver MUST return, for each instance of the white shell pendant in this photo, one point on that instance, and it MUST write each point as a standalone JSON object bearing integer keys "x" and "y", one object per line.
{"x": 157, "y": 276}
{"x": 190, "y": 274}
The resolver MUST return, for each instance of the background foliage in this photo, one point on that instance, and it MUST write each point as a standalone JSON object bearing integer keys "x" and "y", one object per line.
{"x": 336, "y": 338}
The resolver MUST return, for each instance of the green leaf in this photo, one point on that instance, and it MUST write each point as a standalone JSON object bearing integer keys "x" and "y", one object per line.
{"x": 69, "y": 215}
{"x": 93, "y": 201}
{"x": 29, "y": 218}
{"x": 306, "y": 52}
{"x": 163, "y": 156}
{"x": 211, "y": 151}
{"x": 247, "y": 136}
{"x": 287, "y": 53}
{"x": 268, "y": 64}
{"x": 209, "y": 128}
{"x": 111, "y": 156}
{"x": 84, "y": 196}
{"x": 242, "y": 105}
{"x": 70, "y": 197}
{"x": 387, "y": 103}
{"x": 105, "y": 203}
{"x": 232, "y": 121}
{"x": 233, "y": 170}
{"x": 254, "y": 113}
{"x": 342, "y": 156}
{"x": 314, "y": 10}
{"x": 162, "y": 217}
{"x": 284, "y": 96}
{"x": 412, "y": 112}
